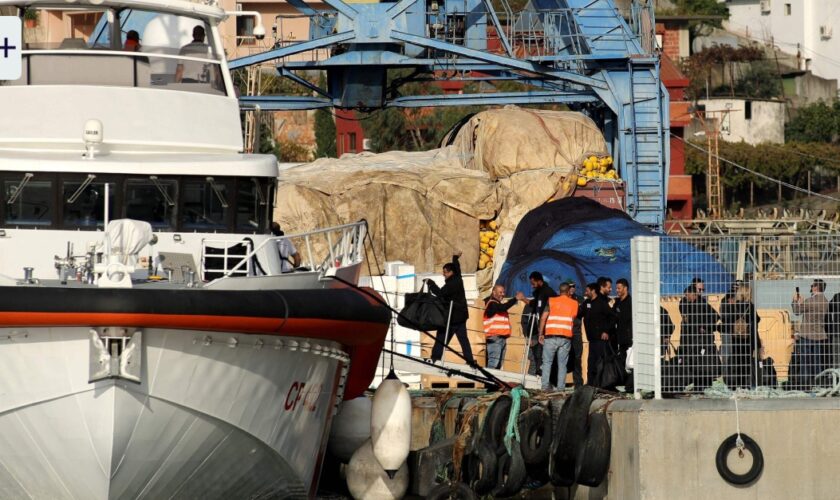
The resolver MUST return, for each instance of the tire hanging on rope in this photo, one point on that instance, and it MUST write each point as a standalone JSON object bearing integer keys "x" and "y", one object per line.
{"x": 746, "y": 443}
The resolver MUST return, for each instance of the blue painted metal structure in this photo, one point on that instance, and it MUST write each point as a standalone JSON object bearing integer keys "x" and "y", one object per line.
{"x": 582, "y": 53}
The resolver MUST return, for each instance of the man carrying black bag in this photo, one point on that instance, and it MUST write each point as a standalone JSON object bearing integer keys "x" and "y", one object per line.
{"x": 455, "y": 300}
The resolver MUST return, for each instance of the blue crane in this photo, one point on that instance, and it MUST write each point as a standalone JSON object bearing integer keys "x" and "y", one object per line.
{"x": 581, "y": 53}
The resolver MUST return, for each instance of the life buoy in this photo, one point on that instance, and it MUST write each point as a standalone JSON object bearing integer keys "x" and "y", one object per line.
{"x": 536, "y": 433}
{"x": 731, "y": 443}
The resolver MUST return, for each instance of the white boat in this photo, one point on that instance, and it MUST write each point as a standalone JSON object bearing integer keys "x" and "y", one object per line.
{"x": 150, "y": 345}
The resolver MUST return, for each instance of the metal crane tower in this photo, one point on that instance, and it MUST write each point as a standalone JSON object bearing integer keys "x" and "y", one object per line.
{"x": 582, "y": 53}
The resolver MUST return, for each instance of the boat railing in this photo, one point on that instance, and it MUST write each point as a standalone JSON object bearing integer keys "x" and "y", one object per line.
{"x": 121, "y": 68}
{"x": 323, "y": 251}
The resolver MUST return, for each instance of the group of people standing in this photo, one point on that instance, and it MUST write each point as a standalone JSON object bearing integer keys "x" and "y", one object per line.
{"x": 736, "y": 323}
{"x": 554, "y": 323}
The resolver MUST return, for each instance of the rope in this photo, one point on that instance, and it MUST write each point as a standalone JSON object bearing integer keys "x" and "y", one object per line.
{"x": 835, "y": 383}
{"x": 739, "y": 443}
{"x": 516, "y": 394}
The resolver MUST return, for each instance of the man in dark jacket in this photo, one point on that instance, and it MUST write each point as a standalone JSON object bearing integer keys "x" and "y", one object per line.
{"x": 576, "y": 356}
{"x": 536, "y": 305}
{"x": 599, "y": 323}
{"x": 623, "y": 316}
{"x": 455, "y": 300}
{"x": 697, "y": 339}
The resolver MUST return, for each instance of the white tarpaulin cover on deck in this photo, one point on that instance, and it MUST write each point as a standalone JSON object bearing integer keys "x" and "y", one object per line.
{"x": 422, "y": 206}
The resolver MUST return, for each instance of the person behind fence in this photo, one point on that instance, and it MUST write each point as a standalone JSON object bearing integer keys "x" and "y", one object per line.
{"x": 697, "y": 339}
{"x": 289, "y": 257}
{"x": 556, "y": 325}
{"x": 455, "y": 300}
{"x": 576, "y": 356}
{"x": 542, "y": 292}
{"x": 739, "y": 323}
{"x": 497, "y": 325}
{"x": 811, "y": 339}
{"x": 832, "y": 330}
{"x": 623, "y": 316}
{"x": 599, "y": 323}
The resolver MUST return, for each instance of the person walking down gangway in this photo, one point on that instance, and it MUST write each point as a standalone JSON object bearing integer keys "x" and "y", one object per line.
{"x": 455, "y": 302}
{"x": 497, "y": 326}
{"x": 556, "y": 326}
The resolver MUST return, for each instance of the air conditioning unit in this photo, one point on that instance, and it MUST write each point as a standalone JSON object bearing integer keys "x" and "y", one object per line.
{"x": 366, "y": 145}
{"x": 825, "y": 32}
{"x": 764, "y": 5}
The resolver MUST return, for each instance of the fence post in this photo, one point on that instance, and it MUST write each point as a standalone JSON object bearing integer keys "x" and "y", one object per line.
{"x": 644, "y": 271}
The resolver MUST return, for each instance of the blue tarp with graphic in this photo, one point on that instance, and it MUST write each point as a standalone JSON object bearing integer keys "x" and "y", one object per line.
{"x": 580, "y": 239}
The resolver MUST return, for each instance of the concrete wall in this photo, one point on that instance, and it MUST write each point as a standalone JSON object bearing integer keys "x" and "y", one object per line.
{"x": 666, "y": 449}
{"x": 767, "y": 123}
{"x": 807, "y": 89}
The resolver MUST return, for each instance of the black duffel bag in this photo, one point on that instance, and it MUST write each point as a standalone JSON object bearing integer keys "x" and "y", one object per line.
{"x": 424, "y": 312}
{"x": 610, "y": 371}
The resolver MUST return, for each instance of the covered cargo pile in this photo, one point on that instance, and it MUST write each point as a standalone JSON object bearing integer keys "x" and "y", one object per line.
{"x": 422, "y": 206}
{"x": 579, "y": 239}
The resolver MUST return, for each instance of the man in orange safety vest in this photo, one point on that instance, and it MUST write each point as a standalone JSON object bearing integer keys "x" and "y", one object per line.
{"x": 497, "y": 325}
{"x": 556, "y": 326}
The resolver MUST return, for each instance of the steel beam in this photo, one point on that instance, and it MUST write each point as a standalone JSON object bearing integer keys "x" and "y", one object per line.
{"x": 291, "y": 50}
{"x": 283, "y": 103}
{"x": 500, "y": 60}
{"x": 420, "y": 101}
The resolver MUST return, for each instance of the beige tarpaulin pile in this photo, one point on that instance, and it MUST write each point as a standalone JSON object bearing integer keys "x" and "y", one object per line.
{"x": 532, "y": 154}
{"x": 422, "y": 206}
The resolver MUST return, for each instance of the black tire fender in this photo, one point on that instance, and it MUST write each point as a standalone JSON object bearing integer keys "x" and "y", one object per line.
{"x": 569, "y": 435}
{"x": 593, "y": 460}
{"x": 535, "y": 430}
{"x": 511, "y": 474}
{"x": 454, "y": 491}
{"x": 495, "y": 424}
{"x": 481, "y": 466}
{"x": 726, "y": 473}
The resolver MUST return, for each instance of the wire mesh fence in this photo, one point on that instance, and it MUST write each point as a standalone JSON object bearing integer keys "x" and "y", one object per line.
{"x": 748, "y": 312}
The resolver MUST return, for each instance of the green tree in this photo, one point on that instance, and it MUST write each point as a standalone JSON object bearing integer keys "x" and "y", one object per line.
{"x": 325, "y": 135}
{"x": 697, "y": 8}
{"x": 819, "y": 122}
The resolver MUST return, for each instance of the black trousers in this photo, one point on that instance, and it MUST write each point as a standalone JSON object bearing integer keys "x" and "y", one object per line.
{"x": 460, "y": 331}
{"x": 575, "y": 366}
{"x": 597, "y": 349}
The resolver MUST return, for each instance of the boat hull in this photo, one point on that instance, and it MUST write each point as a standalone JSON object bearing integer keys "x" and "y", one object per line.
{"x": 215, "y": 415}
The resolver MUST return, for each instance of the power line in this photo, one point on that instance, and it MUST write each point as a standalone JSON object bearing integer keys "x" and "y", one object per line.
{"x": 759, "y": 174}
{"x": 828, "y": 160}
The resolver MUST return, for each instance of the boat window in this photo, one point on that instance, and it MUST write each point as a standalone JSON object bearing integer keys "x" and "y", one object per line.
{"x": 205, "y": 204}
{"x": 252, "y": 206}
{"x": 151, "y": 200}
{"x": 28, "y": 200}
{"x": 79, "y": 46}
{"x": 84, "y": 202}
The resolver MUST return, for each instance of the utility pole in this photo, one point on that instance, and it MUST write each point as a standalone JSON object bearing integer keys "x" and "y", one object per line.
{"x": 711, "y": 121}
